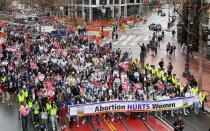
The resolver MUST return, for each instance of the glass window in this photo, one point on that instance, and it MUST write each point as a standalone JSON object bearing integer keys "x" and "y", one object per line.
{"x": 111, "y": 2}
{"x": 122, "y": 1}
{"x": 116, "y": 2}
{"x": 137, "y": 1}
{"x": 130, "y": 1}
{"x": 103, "y": 2}
{"x": 93, "y": 2}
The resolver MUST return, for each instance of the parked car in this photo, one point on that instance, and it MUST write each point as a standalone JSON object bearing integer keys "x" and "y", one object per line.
{"x": 155, "y": 27}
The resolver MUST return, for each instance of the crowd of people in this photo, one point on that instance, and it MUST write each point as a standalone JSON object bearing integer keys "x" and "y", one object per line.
{"x": 50, "y": 74}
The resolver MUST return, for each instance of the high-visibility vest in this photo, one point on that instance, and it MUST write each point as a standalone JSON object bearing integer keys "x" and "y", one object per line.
{"x": 158, "y": 73}
{"x": 36, "y": 111}
{"x": 3, "y": 79}
{"x": 174, "y": 80}
{"x": 25, "y": 93}
{"x": 164, "y": 77}
{"x": 20, "y": 98}
{"x": 194, "y": 90}
{"x": 153, "y": 71}
{"x": 147, "y": 67}
{"x": 53, "y": 111}
{"x": 30, "y": 104}
{"x": 48, "y": 106}
{"x": 202, "y": 96}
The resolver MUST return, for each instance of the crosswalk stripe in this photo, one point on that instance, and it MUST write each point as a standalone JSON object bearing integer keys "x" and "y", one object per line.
{"x": 130, "y": 37}
{"x": 119, "y": 39}
{"x": 146, "y": 38}
{"x": 136, "y": 40}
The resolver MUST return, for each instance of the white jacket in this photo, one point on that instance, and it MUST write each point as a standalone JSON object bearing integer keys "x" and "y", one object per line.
{"x": 196, "y": 98}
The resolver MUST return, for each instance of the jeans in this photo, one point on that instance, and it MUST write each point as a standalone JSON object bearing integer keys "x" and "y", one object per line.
{"x": 195, "y": 105}
{"x": 203, "y": 108}
{"x": 36, "y": 118}
{"x": 31, "y": 115}
{"x": 53, "y": 121}
{"x": 24, "y": 122}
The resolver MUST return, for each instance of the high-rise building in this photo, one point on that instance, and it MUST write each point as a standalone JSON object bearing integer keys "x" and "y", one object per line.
{"x": 109, "y": 9}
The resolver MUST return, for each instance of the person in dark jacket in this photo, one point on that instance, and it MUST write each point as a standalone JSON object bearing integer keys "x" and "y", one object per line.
{"x": 179, "y": 124}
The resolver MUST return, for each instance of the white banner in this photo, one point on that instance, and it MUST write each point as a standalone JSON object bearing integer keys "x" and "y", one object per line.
{"x": 129, "y": 106}
{"x": 47, "y": 29}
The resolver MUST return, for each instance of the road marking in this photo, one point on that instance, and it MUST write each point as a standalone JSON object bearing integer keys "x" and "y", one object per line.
{"x": 130, "y": 37}
{"x": 109, "y": 124}
{"x": 146, "y": 38}
{"x": 136, "y": 40}
{"x": 122, "y": 37}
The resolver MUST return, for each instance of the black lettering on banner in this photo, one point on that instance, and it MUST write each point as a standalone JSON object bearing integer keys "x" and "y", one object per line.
{"x": 160, "y": 106}
{"x": 109, "y": 108}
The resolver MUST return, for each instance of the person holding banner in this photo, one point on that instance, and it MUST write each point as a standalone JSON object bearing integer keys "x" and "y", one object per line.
{"x": 24, "y": 110}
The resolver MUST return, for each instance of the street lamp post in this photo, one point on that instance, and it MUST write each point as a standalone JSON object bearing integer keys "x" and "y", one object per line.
{"x": 103, "y": 9}
{"x": 186, "y": 73}
{"x": 142, "y": 57}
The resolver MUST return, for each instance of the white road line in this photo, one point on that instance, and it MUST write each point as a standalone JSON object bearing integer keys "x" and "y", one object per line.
{"x": 136, "y": 40}
{"x": 122, "y": 37}
{"x": 146, "y": 38}
{"x": 129, "y": 38}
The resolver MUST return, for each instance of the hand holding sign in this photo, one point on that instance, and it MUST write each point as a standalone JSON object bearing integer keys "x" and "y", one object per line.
{"x": 41, "y": 77}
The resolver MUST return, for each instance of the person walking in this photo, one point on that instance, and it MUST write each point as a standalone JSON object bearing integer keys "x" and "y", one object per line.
{"x": 179, "y": 124}
{"x": 10, "y": 93}
{"x": 24, "y": 115}
{"x": 116, "y": 37}
{"x": 203, "y": 100}
{"x": 53, "y": 114}
{"x": 196, "y": 102}
{"x": 36, "y": 113}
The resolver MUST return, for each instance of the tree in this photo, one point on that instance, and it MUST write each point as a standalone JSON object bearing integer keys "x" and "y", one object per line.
{"x": 196, "y": 30}
{"x": 5, "y": 4}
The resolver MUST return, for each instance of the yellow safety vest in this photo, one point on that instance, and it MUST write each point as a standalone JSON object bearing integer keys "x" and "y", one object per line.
{"x": 202, "y": 96}
{"x": 36, "y": 111}
{"x": 20, "y": 98}
{"x": 174, "y": 80}
{"x": 147, "y": 67}
{"x": 25, "y": 93}
{"x": 30, "y": 104}
{"x": 3, "y": 79}
{"x": 153, "y": 71}
{"x": 48, "y": 106}
{"x": 194, "y": 90}
{"x": 164, "y": 77}
{"x": 53, "y": 111}
{"x": 158, "y": 73}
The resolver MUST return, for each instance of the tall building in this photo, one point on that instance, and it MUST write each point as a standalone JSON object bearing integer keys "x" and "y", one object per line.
{"x": 92, "y": 9}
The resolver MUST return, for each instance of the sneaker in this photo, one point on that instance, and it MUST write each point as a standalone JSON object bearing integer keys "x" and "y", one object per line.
{"x": 112, "y": 119}
{"x": 8, "y": 104}
{"x": 77, "y": 126}
{"x": 53, "y": 129}
{"x": 172, "y": 115}
{"x": 204, "y": 112}
{"x": 185, "y": 114}
{"x": 62, "y": 127}
{"x": 138, "y": 116}
{"x": 143, "y": 118}
{"x": 2, "y": 102}
{"x": 12, "y": 104}
{"x": 196, "y": 112}
{"x": 188, "y": 112}
{"x": 35, "y": 126}
{"x": 164, "y": 115}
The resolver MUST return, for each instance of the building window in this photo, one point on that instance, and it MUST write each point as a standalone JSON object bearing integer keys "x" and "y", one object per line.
{"x": 111, "y": 2}
{"x": 86, "y": 2}
{"x": 103, "y": 2}
{"x": 122, "y": 1}
{"x": 137, "y": 1}
{"x": 93, "y": 2}
{"x": 116, "y": 1}
{"x": 130, "y": 1}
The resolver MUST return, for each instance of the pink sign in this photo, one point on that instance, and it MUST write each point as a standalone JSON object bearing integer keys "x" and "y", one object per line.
{"x": 137, "y": 86}
{"x": 16, "y": 63}
{"x": 33, "y": 65}
{"x": 124, "y": 66}
{"x": 58, "y": 77}
{"x": 18, "y": 53}
{"x": 24, "y": 111}
{"x": 82, "y": 91}
{"x": 125, "y": 86}
{"x": 41, "y": 77}
{"x": 10, "y": 68}
{"x": 161, "y": 87}
{"x": 50, "y": 92}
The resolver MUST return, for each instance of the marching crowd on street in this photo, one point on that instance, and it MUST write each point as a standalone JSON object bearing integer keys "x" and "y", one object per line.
{"x": 52, "y": 73}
